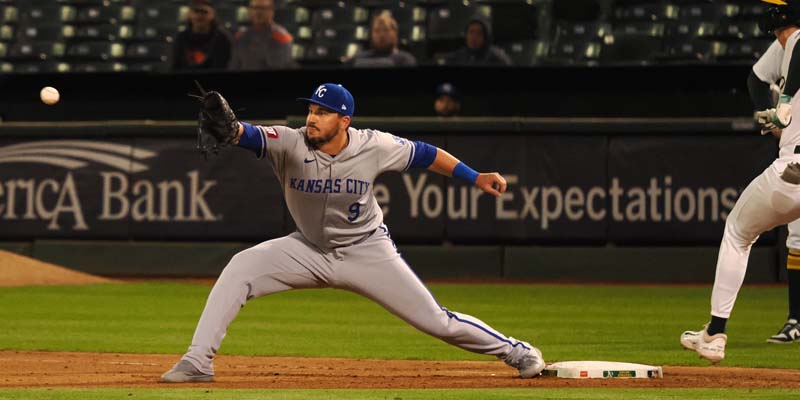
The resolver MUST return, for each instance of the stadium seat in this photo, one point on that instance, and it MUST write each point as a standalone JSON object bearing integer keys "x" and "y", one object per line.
{"x": 48, "y": 15}
{"x": 333, "y": 35}
{"x": 7, "y": 33}
{"x": 98, "y": 32}
{"x": 570, "y": 52}
{"x": 405, "y": 14}
{"x": 752, "y": 10}
{"x": 32, "y": 33}
{"x": 695, "y": 50}
{"x": 330, "y": 54}
{"x": 338, "y": 16}
{"x": 681, "y": 30}
{"x": 515, "y": 21}
{"x": 705, "y": 11}
{"x": 630, "y": 48}
{"x": 590, "y": 31}
{"x": 148, "y": 51}
{"x": 163, "y": 16}
{"x": 36, "y": 50}
{"x": 749, "y": 50}
{"x": 41, "y": 67}
{"x": 105, "y": 14}
{"x": 450, "y": 22}
{"x": 292, "y": 16}
{"x": 654, "y": 29}
{"x": 298, "y": 52}
{"x": 97, "y": 51}
{"x": 9, "y": 14}
{"x": 646, "y": 12}
{"x": 232, "y": 16}
{"x": 153, "y": 33}
{"x": 412, "y": 35}
{"x": 147, "y": 67}
{"x": 740, "y": 30}
{"x": 98, "y": 67}
{"x": 528, "y": 52}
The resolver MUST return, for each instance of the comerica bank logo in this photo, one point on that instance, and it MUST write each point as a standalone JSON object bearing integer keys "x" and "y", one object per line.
{"x": 114, "y": 190}
{"x": 74, "y": 154}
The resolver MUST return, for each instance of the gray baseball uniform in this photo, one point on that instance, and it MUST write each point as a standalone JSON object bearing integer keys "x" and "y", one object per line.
{"x": 340, "y": 242}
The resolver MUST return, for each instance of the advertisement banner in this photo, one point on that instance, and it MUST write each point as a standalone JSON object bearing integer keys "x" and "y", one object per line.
{"x": 594, "y": 189}
{"x": 553, "y": 193}
{"x": 135, "y": 189}
{"x": 679, "y": 188}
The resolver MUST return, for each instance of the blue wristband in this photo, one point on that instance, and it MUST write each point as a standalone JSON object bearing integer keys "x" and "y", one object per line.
{"x": 466, "y": 173}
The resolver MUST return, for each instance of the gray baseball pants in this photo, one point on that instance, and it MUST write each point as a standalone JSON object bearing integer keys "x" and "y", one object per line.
{"x": 372, "y": 268}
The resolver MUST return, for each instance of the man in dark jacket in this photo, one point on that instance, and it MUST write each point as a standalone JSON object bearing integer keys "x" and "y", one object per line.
{"x": 479, "y": 49}
{"x": 384, "y": 51}
{"x": 266, "y": 44}
{"x": 203, "y": 45}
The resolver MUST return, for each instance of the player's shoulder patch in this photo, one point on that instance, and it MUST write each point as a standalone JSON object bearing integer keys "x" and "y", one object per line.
{"x": 269, "y": 132}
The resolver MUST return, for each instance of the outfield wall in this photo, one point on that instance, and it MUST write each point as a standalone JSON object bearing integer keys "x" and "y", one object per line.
{"x": 588, "y": 199}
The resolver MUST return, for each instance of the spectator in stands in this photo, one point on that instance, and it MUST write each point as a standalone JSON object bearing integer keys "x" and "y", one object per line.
{"x": 265, "y": 45}
{"x": 203, "y": 45}
{"x": 478, "y": 49}
{"x": 383, "y": 50}
{"x": 446, "y": 104}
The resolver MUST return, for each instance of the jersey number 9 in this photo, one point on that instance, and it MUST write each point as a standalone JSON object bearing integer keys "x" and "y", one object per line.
{"x": 355, "y": 211}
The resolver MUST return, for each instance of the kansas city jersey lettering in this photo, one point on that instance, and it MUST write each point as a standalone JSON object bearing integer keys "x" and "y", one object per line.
{"x": 349, "y": 185}
{"x": 330, "y": 197}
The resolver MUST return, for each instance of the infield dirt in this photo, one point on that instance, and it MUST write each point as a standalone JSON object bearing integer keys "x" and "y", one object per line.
{"x": 87, "y": 370}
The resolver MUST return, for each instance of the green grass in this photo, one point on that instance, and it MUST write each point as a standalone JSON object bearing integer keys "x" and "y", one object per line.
{"x": 385, "y": 394}
{"x": 615, "y": 323}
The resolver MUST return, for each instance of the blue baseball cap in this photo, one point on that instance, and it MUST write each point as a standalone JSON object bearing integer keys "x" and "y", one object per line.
{"x": 333, "y": 97}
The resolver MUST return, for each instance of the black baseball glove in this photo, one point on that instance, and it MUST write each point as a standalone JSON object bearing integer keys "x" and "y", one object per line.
{"x": 217, "y": 124}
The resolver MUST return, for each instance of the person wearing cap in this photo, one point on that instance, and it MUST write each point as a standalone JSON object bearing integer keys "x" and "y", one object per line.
{"x": 446, "y": 103}
{"x": 265, "y": 44}
{"x": 327, "y": 170}
{"x": 203, "y": 44}
{"x": 478, "y": 48}
{"x": 383, "y": 50}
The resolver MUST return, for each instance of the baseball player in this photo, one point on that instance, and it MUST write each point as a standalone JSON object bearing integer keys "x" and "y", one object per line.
{"x": 770, "y": 200}
{"x": 327, "y": 170}
{"x": 765, "y": 85}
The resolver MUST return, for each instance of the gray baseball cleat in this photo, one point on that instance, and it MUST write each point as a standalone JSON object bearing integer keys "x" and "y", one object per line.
{"x": 530, "y": 364}
{"x": 788, "y": 334}
{"x": 185, "y": 372}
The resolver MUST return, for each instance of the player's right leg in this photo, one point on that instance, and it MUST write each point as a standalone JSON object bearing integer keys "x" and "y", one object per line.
{"x": 766, "y": 203}
{"x": 273, "y": 266}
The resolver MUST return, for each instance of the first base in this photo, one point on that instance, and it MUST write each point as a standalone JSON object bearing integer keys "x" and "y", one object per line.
{"x": 601, "y": 369}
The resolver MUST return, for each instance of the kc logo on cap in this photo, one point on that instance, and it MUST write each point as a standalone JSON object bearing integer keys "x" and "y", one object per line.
{"x": 333, "y": 97}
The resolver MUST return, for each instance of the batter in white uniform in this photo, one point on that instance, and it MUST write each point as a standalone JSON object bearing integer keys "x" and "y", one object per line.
{"x": 327, "y": 170}
{"x": 770, "y": 200}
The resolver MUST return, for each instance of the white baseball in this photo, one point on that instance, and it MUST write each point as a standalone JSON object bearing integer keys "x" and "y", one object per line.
{"x": 49, "y": 95}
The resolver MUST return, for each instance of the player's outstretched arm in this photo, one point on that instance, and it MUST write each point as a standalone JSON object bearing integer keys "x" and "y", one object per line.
{"x": 445, "y": 164}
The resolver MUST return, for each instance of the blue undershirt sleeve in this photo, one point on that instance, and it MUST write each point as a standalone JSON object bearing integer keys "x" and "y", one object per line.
{"x": 252, "y": 139}
{"x": 424, "y": 155}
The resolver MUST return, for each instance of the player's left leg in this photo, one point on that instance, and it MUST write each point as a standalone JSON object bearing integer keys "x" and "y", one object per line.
{"x": 790, "y": 331}
{"x": 376, "y": 270}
